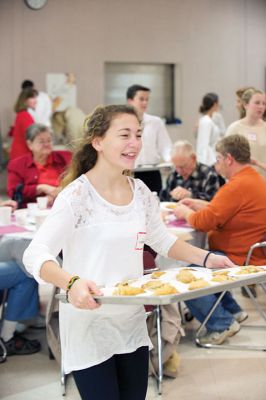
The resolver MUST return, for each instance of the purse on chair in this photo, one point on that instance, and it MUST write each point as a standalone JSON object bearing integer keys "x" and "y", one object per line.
{"x": 164, "y": 359}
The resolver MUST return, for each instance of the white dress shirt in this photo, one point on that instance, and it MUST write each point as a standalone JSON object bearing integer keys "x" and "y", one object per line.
{"x": 218, "y": 119}
{"x": 207, "y": 137}
{"x": 156, "y": 143}
{"x": 43, "y": 111}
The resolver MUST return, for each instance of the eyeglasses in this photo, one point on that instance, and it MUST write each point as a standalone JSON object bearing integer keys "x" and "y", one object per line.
{"x": 220, "y": 158}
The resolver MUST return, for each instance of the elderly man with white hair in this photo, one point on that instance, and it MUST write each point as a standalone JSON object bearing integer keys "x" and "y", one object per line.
{"x": 191, "y": 179}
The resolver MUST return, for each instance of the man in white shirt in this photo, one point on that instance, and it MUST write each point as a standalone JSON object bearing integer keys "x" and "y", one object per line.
{"x": 43, "y": 111}
{"x": 156, "y": 143}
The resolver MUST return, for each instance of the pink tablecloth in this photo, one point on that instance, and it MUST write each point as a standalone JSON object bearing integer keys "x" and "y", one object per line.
{"x": 11, "y": 229}
{"x": 178, "y": 223}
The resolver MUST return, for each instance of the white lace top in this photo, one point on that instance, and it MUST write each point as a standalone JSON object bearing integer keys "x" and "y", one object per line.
{"x": 101, "y": 242}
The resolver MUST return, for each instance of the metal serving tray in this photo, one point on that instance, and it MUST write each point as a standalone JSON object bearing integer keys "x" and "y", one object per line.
{"x": 147, "y": 299}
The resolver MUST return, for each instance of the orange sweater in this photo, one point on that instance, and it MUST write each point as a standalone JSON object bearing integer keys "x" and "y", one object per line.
{"x": 236, "y": 217}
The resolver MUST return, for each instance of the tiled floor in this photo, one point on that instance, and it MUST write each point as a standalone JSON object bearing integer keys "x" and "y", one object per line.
{"x": 204, "y": 374}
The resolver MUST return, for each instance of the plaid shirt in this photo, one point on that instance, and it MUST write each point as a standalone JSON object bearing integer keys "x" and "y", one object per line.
{"x": 203, "y": 183}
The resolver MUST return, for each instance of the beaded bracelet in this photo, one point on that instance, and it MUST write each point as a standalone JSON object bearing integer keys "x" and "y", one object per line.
{"x": 206, "y": 258}
{"x": 70, "y": 284}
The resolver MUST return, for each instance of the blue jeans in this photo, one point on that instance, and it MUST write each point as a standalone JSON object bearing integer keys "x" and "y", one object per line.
{"x": 222, "y": 317}
{"x": 22, "y": 300}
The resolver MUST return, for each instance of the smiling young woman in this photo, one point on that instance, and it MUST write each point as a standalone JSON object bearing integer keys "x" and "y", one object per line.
{"x": 252, "y": 126}
{"x": 101, "y": 221}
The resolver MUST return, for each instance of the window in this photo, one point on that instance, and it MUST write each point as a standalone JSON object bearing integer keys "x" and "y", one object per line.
{"x": 160, "y": 78}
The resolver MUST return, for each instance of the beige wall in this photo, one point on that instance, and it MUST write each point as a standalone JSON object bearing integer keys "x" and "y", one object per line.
{"x": 220, "y": 45}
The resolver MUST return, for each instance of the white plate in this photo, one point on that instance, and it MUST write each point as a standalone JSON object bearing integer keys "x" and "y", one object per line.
{"x": 234, "y": 272}
{"x": 168, "y": 277}
{"x": 165, "y": 165}
{"x": 166, "y": 205}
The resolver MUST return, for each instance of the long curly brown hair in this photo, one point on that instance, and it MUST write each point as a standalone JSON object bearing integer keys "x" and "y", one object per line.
{"x": 95, "y": 125}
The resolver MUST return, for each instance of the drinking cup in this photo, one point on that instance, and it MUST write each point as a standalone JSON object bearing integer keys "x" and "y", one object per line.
{"x": 32, "y": 208}
{"x": 42, "y": 202}
{"x": 5, "y": 215}
{"x": 21, "y": 216}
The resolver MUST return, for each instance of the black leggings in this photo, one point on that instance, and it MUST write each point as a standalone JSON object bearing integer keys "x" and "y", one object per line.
{"x": 122, "y": 377}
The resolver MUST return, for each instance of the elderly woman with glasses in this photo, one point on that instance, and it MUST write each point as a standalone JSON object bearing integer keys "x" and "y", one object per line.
{"x": 38, "y": 172}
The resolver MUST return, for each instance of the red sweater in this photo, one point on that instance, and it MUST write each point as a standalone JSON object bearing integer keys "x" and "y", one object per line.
{"x": 19, "y": 145}
{"x": 236, "y": 217}
{"x": 24, "y": 170}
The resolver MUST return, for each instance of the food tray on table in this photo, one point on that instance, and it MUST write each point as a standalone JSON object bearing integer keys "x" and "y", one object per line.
{"x": 177, "y": 284}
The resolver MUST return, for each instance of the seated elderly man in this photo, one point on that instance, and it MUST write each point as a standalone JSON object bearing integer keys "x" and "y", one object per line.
{"x": 235, "y": 219}
{"x": 190, "y": 178}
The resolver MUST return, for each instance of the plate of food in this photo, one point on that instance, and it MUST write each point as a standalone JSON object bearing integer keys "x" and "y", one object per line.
{"x": 161, "y": 287}
{"x": 168, "y": 206}
{"x": 247, "y": 270}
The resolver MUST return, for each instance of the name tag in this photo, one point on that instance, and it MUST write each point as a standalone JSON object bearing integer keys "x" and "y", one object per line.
{"x": 252, "y": 137}
{"x": 140, "y": 240}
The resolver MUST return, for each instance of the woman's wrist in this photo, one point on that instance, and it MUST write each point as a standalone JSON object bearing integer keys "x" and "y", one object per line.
{"x": 39, "y": 188}
{"x": 206, "y": 259}
{"x": 71, "y": 282}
